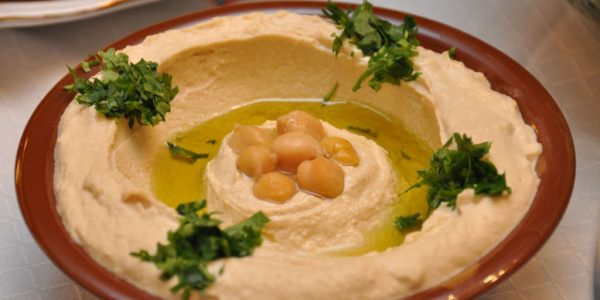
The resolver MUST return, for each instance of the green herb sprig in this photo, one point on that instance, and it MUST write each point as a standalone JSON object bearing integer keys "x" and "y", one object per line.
{"x": 408, "y": 222}
{"x": 452, "y": 53}
{"x": 390, "y": 47}
{"x": 458, "y": 165}
{"x": 135, "y": 92}
{"x": 186, "y": 154}
{"x": 454, "y": 169}
{"x": 364, "y": 131}
{"x": 198, "y": 241}
{"x": 331, "y": 92}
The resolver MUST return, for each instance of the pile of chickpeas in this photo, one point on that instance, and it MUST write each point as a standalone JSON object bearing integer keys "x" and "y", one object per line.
{"x": 298, "y": 155}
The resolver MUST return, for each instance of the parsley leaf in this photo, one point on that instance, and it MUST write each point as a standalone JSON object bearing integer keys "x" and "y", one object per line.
{"x": 408, "y": 222}
{"x": 246, "y": 235}
{"x": 341, "y": 18}
{"x": 391, "y": 47}
{"x": 185, "y": 153}
{"x": 453, "y": 170}
{"x": 87, "y": 65}
{"x": 365, "y": 131}
{"x": 135, "y": 92}
{"x": 331, "y": 93}
{"x": 452, "y": 53}
{"x": 389, "y": 64}
{"x": 199, "y": 240}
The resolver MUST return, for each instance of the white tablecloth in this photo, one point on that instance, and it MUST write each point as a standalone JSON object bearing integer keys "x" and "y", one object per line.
{"x": 554, "y": 41}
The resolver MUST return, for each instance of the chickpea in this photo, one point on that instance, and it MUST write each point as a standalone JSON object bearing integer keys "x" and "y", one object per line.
{"x": 256, "y": 160}
{"x": 247, "y": 135}
{"x": 292, "y": 148}
{"x": 321, "y": 176}
{"x": 340, "y": 150}
{"x": 274, "y": 186}
{"x": 298, "y": 120}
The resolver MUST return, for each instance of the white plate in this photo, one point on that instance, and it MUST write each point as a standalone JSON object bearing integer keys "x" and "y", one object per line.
{"x": 35, "y": 13}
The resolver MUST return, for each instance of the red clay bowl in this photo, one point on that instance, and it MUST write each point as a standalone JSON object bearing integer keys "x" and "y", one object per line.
{"x": 556, "y": 167}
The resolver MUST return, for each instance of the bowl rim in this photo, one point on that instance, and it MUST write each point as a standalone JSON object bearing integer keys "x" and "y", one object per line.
{"x": 34, "y": 164}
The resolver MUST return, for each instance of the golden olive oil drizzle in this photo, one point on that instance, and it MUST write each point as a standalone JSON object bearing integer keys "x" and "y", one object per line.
{"x": 176, "y": 181}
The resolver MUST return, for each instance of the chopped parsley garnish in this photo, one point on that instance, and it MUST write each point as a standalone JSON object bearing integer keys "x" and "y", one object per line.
{"x": 452, "y": 53}
{"x": 457, "y": 165}
{"x": 390, "y": 47}
{"x": 135, "y": 92}
{"x": 408, "y": 222}
{"x": 331, "y": 93}
{"x": 365, "y": 131}
{"x": 454, "y": 169}
{"x": 185, "y": 153}
{"x": 198, "y": 241}
{"x": 211, "y": 141}
{"x": 87, "y": 65}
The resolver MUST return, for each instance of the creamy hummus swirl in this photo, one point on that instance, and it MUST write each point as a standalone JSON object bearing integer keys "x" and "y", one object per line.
{"x": 104, "y": 192}
{"x": 305, "y": 222}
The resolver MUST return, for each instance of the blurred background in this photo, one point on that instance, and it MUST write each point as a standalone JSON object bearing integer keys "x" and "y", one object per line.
{"x": 558, "y": 41}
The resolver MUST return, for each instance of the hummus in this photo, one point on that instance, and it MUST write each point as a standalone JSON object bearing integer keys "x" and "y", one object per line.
{"x": 304, "y": 223}
{"x": 104, "y": 193}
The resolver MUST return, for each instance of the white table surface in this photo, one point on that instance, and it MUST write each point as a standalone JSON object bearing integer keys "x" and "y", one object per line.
{"x": 554, "y": 41}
